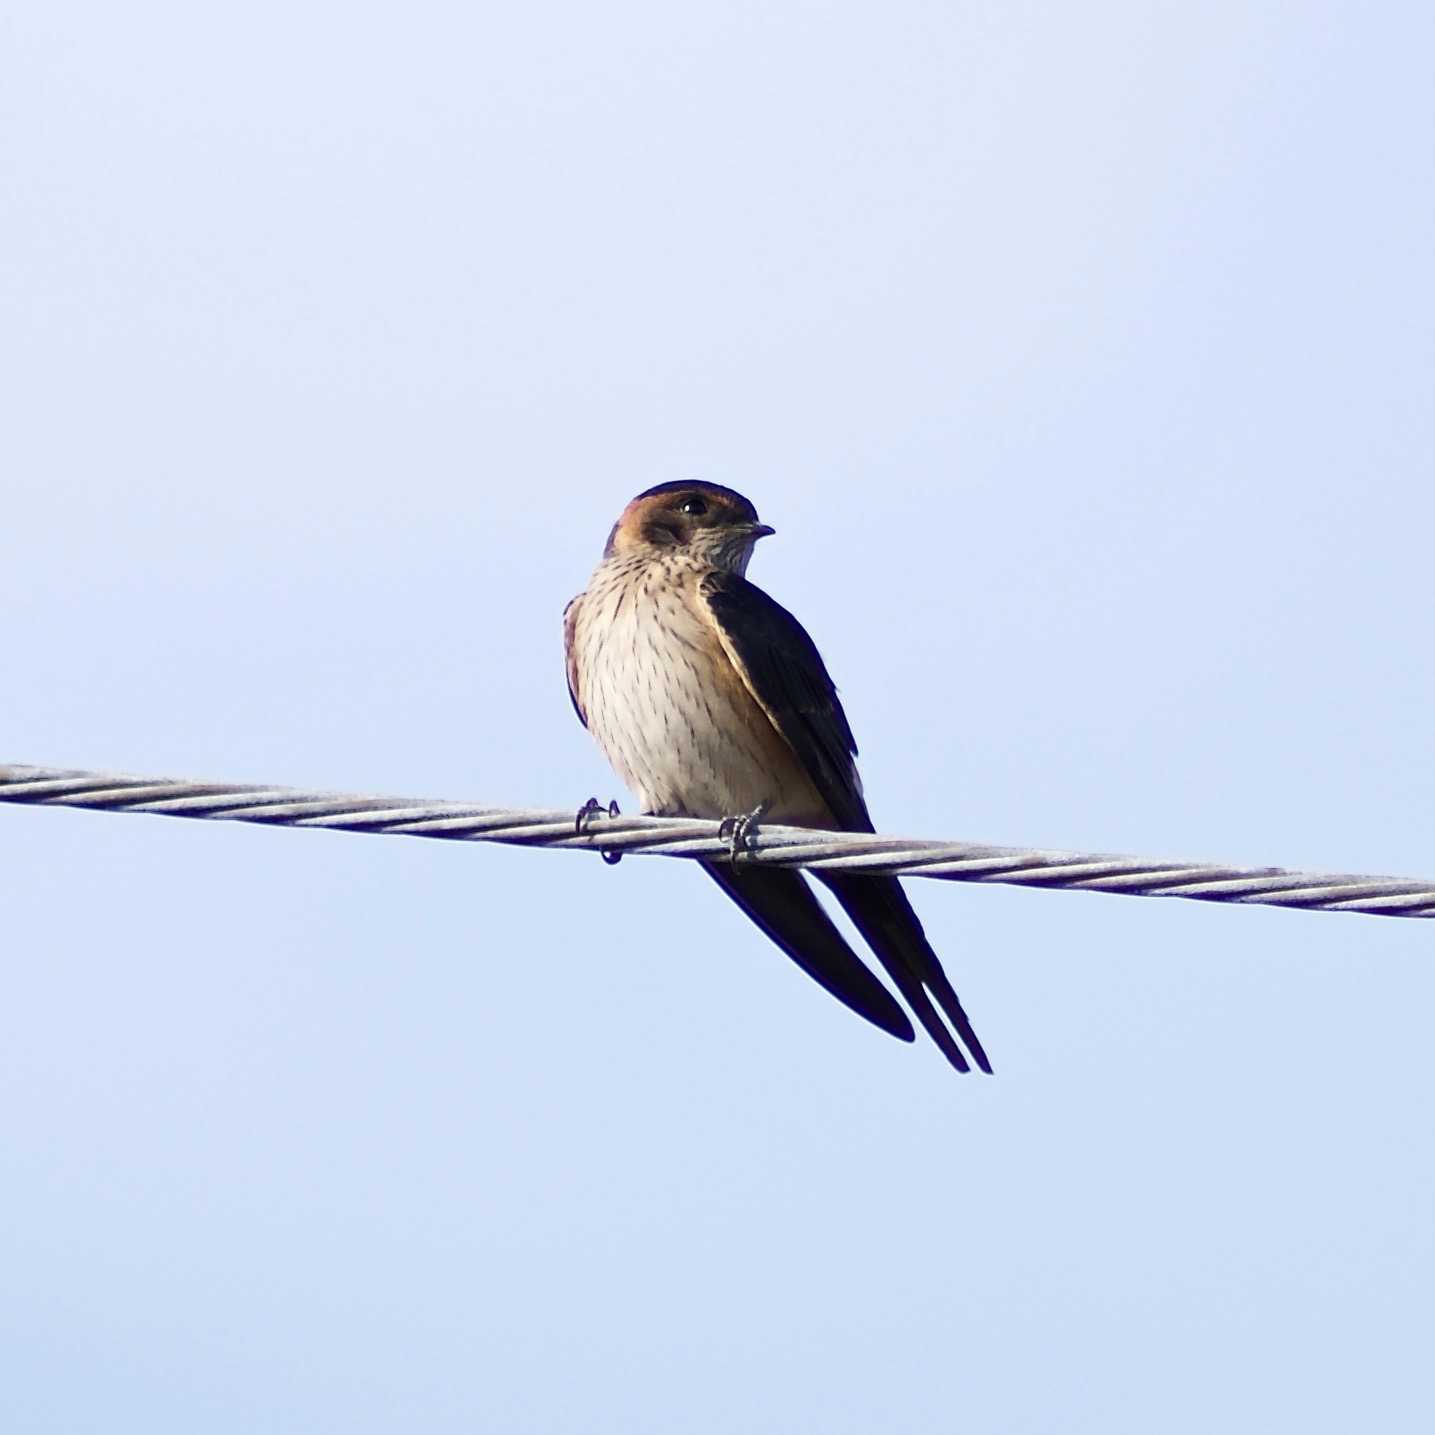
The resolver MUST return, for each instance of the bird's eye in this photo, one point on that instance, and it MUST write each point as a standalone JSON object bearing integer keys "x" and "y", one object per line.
{"x": 694, "y": 507}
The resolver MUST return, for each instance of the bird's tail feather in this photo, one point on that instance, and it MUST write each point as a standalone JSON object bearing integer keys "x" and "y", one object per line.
{"x": 787, "y": 909}
{"x": 881, "y": 912}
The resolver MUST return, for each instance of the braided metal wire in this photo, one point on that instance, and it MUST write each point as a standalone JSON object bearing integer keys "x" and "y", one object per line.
{"x": 684, "y": 837}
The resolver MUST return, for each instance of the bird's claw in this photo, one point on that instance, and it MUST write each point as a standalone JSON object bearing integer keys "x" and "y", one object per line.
{"x": 740, "y": 830}
{"x": 589, "y": 810}
{"x": 581, "y": 822}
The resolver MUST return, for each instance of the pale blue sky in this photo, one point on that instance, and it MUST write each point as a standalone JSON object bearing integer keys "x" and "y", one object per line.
{"x": 1082, "y": 357}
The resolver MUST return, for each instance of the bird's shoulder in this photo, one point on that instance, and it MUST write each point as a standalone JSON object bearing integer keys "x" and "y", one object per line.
{"x": 570, "y": 654}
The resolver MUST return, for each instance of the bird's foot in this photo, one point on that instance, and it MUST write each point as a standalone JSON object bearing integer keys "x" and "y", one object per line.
{"x": 589, "y": 810}
{"x": 740, "y": 830}
{"x": 581, "y": 823}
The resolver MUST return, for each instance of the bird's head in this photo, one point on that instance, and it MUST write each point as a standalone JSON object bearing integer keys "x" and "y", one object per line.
{"x": 712, "y": 523}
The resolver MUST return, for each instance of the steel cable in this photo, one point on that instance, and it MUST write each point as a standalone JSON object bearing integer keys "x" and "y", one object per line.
{"x": 696, "y": 838}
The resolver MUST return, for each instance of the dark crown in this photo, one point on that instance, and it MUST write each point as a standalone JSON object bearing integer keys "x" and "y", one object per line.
{"x": 728, "y": 497}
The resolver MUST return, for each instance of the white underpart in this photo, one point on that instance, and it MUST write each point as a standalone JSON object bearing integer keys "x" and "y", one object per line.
{"x": 668, "y": 708}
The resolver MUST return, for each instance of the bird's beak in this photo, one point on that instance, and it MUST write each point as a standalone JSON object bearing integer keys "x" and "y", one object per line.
{"x": 760, "y": 530}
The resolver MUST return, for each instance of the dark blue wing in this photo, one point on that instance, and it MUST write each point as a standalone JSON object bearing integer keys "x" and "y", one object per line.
{"x": 785, "y": 673}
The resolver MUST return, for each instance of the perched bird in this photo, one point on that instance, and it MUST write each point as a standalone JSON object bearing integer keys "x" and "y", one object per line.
{"x": 710, "y": 700}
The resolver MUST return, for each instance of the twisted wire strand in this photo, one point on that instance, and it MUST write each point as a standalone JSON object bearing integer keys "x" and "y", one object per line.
{"x": 696, "y": 838}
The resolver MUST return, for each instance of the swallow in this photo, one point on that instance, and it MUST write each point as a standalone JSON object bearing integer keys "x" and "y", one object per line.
{"x": 710, "y": 700}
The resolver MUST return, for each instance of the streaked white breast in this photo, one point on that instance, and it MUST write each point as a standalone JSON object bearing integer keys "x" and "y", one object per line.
{"x": 668, "y": 708}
